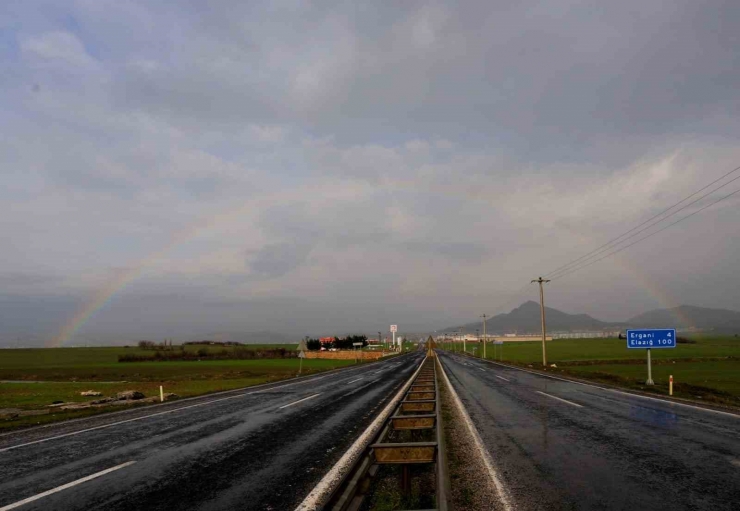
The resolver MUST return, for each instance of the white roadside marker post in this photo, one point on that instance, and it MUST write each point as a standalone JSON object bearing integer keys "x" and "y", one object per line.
{"x": 670, "y": 385}
{"x": 301, "y": 349}
{"x": 161, "y": 394}
{"x": 650, "y": 370}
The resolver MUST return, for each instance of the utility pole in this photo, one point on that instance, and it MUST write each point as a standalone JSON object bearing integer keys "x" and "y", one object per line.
{"x": 541, "y": 281}
{"x": 484, "y": 336}
{"x": 379, "y": 342}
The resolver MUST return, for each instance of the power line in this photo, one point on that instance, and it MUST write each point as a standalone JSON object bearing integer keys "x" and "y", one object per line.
{"x": 573, "y": 270}
{"x": 555, "y": 274}
{"x": 618, "y": 240}
{"x": 578, "y": 264}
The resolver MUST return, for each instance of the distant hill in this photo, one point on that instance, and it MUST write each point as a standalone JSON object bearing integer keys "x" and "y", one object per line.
{"x": 525, "y": 319}
{"x": 688, "y": 316}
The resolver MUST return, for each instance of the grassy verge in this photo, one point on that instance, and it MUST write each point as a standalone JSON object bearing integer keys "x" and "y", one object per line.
{"x": 712, "y": 382}
{"x": 34, "y": 379}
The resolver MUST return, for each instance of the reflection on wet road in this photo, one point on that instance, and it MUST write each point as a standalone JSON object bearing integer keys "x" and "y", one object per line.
{"x": 565, "y": 445}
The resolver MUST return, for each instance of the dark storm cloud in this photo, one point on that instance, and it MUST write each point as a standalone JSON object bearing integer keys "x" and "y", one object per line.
{"x": 550, "y": 78}
{"x": 278, "y": 259}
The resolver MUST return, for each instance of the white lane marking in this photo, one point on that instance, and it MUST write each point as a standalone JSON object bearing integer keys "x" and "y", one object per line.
{"x": 376, "y": 372}
{"x": 559, "y": 399}
{"x": 502, "y": 378}
{"x": 354, "y": 391}
{"x": 299, "y": 401}
{"x": 487, "y": 461}
{"x": 358, "y": 379}
{"x": 664, "y": 401}
{"x": 12, "y": 447}
{"x": 481, "y": 369}
{"x": 65, "y": 486}
{"x": 329, "y": 482}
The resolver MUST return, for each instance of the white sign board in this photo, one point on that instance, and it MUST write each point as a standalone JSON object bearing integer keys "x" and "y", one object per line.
{"x": 394, "y": 328}
{"x": 301, "y": 354}
{"x": 356, "y": 344}
{"x": 302, "y": 346}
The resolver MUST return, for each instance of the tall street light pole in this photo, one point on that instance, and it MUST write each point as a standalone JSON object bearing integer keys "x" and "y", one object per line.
{"x": 542, "y": 281}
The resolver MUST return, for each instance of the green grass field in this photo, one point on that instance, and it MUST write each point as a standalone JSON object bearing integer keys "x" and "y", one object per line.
{"x": 708, "y": 370}
{"x": 34, "y": 378}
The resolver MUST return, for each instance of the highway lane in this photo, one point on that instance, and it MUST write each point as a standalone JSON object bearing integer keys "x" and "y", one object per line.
{"x": 261, "y": 448}
{"x": 564, "y": 445}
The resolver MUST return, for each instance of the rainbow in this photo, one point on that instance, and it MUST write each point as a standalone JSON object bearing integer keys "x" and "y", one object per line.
{"x": 93, "y": 304}
{"x": 658, "y": 293}
{"x": 104, "y": 294}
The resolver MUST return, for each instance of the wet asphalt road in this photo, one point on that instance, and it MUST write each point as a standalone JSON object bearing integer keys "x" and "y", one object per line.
{"x": 254, "y": 449}
{"x": 613, "y": 451}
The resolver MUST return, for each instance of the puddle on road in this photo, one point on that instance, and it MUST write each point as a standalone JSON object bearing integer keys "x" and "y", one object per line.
{"x": 654, "y": 416}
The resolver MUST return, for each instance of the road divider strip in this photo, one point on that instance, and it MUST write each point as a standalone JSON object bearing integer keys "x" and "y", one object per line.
{"x": 487, "y": 460}
{"x": 502, "y": 378}
{"x": 66, "y": 486}
{"x": 419, "y": 412}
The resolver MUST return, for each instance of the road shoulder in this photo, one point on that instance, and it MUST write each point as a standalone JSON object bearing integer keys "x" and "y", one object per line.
{"x": 473, "y": 482}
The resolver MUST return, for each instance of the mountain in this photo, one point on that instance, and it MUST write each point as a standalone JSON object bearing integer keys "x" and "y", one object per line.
{"x": 688, "y": 316}
{"x": 525, "y": 319}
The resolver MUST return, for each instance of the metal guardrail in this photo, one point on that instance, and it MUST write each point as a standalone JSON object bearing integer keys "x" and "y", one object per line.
{"x": 420, "y": 409}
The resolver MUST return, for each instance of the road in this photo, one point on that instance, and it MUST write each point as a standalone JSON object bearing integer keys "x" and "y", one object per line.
{"x": 262, "y": 448}
{"x": 563, "y": 445}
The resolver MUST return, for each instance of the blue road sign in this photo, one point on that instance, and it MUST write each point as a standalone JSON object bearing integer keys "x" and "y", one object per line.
{"x": 651, "y": 338}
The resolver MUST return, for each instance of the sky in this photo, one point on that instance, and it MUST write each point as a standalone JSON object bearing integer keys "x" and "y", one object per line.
{"x": 178, "y": 169}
